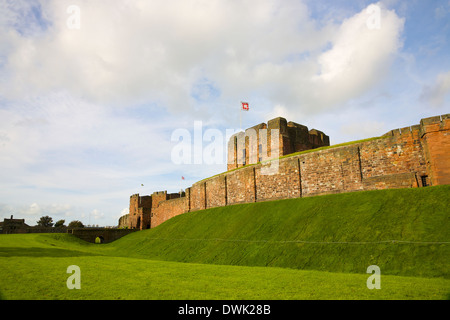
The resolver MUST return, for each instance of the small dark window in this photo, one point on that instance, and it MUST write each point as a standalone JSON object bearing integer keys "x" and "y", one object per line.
{"x": 244, "y": 154}
{"x": 424, "y": 181}
{"x": 260, "y": 152}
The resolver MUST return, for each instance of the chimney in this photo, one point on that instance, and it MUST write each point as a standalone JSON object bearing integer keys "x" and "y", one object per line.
{"x": 11, "y": 217}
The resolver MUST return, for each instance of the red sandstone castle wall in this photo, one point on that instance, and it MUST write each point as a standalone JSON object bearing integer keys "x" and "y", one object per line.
{"x": 395, "y": 160}
{"x": 282, "y": 185}
{"x": 398, "y": 158}
{"x": 241, "y": 186}
{"x": 216, "y": 191}
{"x": 168, "y": 209}
{"x": 330, "y": 171}
{"x": 157, "y": 197}
{"x": 402, "y": 158}
{"x": 197, "y": 196}
{"x": 435, "y": 134}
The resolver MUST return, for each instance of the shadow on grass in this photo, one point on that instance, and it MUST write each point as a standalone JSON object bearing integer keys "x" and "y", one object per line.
{"x": 41, "y": 252}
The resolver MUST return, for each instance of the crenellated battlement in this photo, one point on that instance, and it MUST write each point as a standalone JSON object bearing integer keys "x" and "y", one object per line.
{"x": 434, "y": 120}
{"x": 433, "y": 124}
{"x": 404, "y": 132}
{"x": 436, "y": 123}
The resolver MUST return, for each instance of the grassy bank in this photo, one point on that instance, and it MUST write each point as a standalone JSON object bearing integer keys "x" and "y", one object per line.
{"x": 310, "y": 248}
{"x": 404, "y": 232}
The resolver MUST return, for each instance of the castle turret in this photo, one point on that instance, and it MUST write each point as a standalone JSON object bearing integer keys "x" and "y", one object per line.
{"x": 434, "y": 134}
{"x": 140, "y": 212}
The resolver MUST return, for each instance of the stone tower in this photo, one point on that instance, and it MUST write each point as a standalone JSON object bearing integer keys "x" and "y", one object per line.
{"x": 274, "y": 139}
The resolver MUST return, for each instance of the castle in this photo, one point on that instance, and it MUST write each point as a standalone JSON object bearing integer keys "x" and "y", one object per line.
{"x": 410, "y": 157}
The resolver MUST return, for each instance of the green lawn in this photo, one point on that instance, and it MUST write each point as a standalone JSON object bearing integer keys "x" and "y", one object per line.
{"x": 129, "y": 278}
{"x": 310, "y": 248}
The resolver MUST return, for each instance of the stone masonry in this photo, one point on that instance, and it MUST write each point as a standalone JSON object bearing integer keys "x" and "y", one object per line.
{"x": 410, "y": 157}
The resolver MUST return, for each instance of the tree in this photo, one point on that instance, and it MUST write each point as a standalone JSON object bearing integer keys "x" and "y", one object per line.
{"x": 75, "y": 224}
{"x": 59, "y": 223}
{"x": 45, "y": 221}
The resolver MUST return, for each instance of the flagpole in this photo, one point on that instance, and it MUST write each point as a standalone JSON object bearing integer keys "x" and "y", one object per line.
{"x": 240, "y": 118}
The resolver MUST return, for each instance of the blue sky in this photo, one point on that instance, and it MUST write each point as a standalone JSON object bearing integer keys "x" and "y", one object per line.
{"x": 89, "y": 103}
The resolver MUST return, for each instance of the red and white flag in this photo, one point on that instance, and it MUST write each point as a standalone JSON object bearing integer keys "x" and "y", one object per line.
{"x": 245, "y": 106}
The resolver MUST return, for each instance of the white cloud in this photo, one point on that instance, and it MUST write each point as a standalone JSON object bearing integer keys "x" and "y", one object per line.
{"x": 61, "y": 130}
{"x": 358, "y": 58}
{"x": 436, "y": 93}
{"x": 97, "y": 214}
{"x": 364, "y": 129}
{"x": 130, "y": 51}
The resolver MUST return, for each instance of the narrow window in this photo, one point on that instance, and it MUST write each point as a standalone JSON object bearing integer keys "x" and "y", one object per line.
{"x": 424, "y": 181}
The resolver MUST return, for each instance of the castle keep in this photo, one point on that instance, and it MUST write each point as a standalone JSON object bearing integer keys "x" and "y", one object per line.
{"x": 410, "y": 157}
{"x": 256, "y": 143}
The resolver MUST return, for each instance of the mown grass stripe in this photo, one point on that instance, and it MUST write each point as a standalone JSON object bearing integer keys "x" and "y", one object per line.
{"x": 304, "y": 241}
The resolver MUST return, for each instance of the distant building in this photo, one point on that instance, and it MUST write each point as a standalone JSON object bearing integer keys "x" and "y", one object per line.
{"x": 12, "y": 225}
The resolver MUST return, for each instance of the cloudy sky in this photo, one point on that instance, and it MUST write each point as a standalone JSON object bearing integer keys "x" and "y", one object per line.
{"x": 92, "y": 93}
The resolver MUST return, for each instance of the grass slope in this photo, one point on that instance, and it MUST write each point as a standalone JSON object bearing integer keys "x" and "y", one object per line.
{"x": 338, "y": 233}
{"x": 335, "y": 237}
